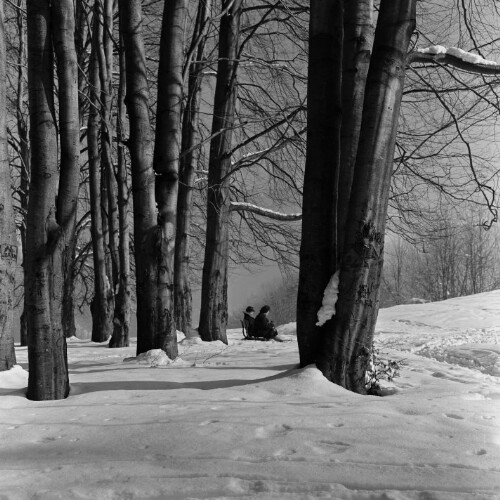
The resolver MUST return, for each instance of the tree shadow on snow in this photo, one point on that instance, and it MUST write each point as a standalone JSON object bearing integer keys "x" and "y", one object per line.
{"x": 155, "y": 385}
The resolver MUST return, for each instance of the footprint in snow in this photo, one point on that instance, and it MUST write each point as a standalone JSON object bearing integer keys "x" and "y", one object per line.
{"x": 270, "y": 431}
{"x": 453, "y": 415}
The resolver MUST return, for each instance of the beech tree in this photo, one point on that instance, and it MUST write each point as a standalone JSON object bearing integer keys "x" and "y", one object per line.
{"x": 341, "y": 346}
{"x": 190, "y": 153}
{"x": 213, "y": 311}
{"x": 347, "y": 254}
{"x": 48, "y": 374}
{"x": 8, "y": 241}
{"x": 102, "y": 304}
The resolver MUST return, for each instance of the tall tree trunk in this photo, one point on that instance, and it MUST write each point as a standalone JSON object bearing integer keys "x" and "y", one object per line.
{"x": 121, "y": 320}
{"x": 102, "y": 302}
{"x": 213, "y": 312}
{"x": 318, "y": 250}
{"x": 110, "y": 187}
{"x": 8, "y": 243}
{"x": 141, "y": 156}
{"x": 47, "y": 353}
{"x": 347, "y": 339}
{"x": 188, "y": 164}
{"x": 22, "y": 132}
{"x": 63, "y": 17}
{"x": 166, "y": 164}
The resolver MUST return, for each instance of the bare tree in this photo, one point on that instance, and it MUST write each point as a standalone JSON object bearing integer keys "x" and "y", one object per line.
{"x": 103, "y": 301}
{"x": 48, "y": 375}
{"x": 213, "y": 312}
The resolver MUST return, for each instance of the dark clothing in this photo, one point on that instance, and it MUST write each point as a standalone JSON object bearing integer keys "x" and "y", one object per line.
{"x": 263, "y": 327}
{"x": 248, "y": 322}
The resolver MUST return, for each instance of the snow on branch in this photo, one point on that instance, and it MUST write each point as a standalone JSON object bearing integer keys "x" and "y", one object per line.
{"x": 454, "y": 56}
{"x": 330, "y": 296}
{"x": 240, "y": 206}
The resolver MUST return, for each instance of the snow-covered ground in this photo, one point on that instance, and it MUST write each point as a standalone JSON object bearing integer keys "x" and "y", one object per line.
{"x": 242, "y": 422}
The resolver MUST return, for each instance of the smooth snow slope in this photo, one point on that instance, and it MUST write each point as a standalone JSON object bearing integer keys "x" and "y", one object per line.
{"x": 242, "y": 422}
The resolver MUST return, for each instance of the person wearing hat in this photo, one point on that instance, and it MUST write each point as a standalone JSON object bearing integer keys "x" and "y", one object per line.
{"x": 248, "y": 321}
{"x": 263, "y": 327}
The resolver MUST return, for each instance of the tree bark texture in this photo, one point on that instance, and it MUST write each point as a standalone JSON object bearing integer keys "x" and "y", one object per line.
{"x": 166, "y": 164}
{"x": 347, "y": 339}
{"x": 121, "y": 320}
{"x": 357, "y": 46}
{"x": 103, "y": 301}
{"x": 47, "y": 354}
{"x": 141, "y": 156}
{"x": 188, "y": 164}
{"x": 63, "y": 18}
{"x": 319, "y": 249}
{"x": 8, "y": 243}
{"x": 213, "y": 310}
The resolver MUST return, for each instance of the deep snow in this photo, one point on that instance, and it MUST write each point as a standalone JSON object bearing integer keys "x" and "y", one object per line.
{"x": 242, "y": 422}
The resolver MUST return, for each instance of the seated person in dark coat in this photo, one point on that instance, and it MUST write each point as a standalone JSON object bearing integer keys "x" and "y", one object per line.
{"x": 248, "y": 321}
{"x": 263, "y": 327}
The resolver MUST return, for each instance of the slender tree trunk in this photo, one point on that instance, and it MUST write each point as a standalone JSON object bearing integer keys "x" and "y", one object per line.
{"x": 188, "y": 164}
{"x": 141, "y": 155}
{"x": 102, "y": 303}
{"x": 319, "y": 249}
{"x": 8, "y": 243}
{"x": 121, "y": 320}
{"x": 22, "y": 132}
{"x": 81, "y": 39}
{"x": 347, "y": 339}
{"x": 47, "y": 355}
{"x": 63, "y": 17}
{"x": 110, "y": 191}
{"x": 166, "y": 165}
{"x": 213, "y": 312}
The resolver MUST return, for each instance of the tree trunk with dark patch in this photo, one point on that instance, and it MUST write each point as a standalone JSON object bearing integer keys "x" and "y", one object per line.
{"x": 188, "y": 164}
{"x": 319, "y": 249}
{"x": 8, "y": 243}
{"x": 213, "y": 311}
{"x": 347, "y": 339}
{"x": 141, "y": 156}
{"x": 63, "y": 17}
{"x": 102, "y": 304}
{"x": 121, "y": 320}
{"x": 47, "y": 353}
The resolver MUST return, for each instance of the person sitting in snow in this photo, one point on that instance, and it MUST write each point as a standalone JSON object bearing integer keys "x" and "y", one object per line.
{"x": 263, "y": 327}
{"x": 248, "y": 322}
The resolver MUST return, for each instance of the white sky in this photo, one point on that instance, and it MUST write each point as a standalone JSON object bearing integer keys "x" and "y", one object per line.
{"x": 242, "y": 422}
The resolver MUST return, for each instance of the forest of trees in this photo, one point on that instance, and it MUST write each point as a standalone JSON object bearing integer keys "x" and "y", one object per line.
{"x": 153, "y": 145}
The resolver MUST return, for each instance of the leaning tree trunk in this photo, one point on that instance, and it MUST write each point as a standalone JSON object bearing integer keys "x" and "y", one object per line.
{"x": 63, "y": 17}
{"x": 121, "y": 320}
{"x": 102, "y": 302}
{"x": 347, "y": 339}
{"x": 213, "y": 310}
{"x": 8, "y": 243}
{"x": 141, "y": 155}
{"x": 166, "y": 166}
{"x": 188, "y": 164}
{"x": 318, "y": 250}
{"x": 47, "y": 355}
